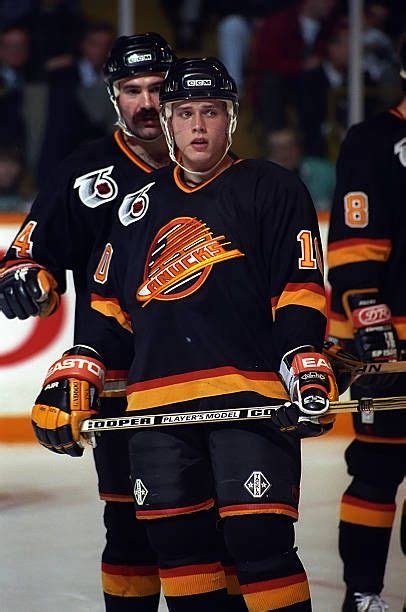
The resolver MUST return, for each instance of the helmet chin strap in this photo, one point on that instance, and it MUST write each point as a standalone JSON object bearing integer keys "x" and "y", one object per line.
{"x": 124, "y": 127}
{"x": 166, "y": 113}
{"x": 200, "y": 173}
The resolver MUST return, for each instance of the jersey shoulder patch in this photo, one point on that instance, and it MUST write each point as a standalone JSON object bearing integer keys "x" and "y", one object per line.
{"x": 96, "y": 187}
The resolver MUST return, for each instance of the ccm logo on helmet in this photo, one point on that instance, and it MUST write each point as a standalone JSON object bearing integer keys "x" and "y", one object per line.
{"x": 76, "y": 362}
{"x": 134, "y": 58}
{"x": 199, "y": 83}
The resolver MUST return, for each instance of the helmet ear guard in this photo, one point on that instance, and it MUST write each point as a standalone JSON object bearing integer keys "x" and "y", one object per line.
{"x": 198, "y": 79}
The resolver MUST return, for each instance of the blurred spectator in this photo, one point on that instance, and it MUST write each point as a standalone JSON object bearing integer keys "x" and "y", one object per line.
{"x": 324, "y": 105}
{"x": 380, "y": 58}
{"x": 236, "y": 20}
{"x": 14, "y": 56}
{"x": 186, "y": 19}
{"x": 12, "y": 198}
{"x": 14, "y": 61}
{"x": 78, "y": 105}
{"x": 12, "y": 11}
{"x": 285, "y": 45}
{"x": 284, "y": 147}
{"x": 55, "y": 27}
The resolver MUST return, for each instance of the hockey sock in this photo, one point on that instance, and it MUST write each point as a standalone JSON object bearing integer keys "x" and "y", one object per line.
{"x": 236, "y": 602}
{"x": 366, "y": 519}
{"x": 129, "y": 567}
{"x": 191, "y": 573}
{"x": 268, "y": 568}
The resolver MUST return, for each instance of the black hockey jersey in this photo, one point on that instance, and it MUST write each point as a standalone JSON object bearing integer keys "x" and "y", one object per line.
{"x": 367, "y": 247}
{"x": 72, "y": 214}
{"x": 217, "y": 282}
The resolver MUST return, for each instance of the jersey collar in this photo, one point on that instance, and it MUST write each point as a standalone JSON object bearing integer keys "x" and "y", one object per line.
{"x": 136, "y": 159}
{"x": 177, "y": 175}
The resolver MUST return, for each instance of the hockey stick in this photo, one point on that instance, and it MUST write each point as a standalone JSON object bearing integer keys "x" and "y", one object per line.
{"x": 386, "y": 367}
{"x": 133, "y": 421}
{"x": 342, "y": 361}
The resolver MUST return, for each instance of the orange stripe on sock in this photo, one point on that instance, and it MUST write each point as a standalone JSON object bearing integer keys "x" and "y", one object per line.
{"x": 130, "y": 581}
{"x": 276, "y": 594}
{"x": 369, "y": 514}
{"x": 192, "y": 579}
{"x": 233, "y": 586}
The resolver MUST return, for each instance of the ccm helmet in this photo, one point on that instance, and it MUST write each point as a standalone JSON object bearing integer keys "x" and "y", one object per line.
{"x": 198, "y": 79}
{"x": 135, "y": 55}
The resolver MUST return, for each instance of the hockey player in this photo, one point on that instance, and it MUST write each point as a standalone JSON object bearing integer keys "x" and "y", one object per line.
{"x": 219, "y": 273}
{"x": 65, "y": 221}
{"x": 366, "y": 255}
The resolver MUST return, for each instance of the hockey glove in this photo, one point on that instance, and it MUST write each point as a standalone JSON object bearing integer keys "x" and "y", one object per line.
{"x": 374, "y": 335}
{"x": 27, "y": 289}
{"x": 68, "y": 397}
{"x": 309, "y": 378}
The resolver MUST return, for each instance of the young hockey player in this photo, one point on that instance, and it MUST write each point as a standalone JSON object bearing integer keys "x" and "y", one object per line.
{"x": 59, "y": 233}
{"x": 218, "y": 271}
{"x": 366, "y": 255}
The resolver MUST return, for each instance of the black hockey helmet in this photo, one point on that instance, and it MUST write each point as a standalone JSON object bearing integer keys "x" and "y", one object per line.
{"x": 136, "y": 55}
{"x": 132, "y": 56}
{"x": 198, "y": 78}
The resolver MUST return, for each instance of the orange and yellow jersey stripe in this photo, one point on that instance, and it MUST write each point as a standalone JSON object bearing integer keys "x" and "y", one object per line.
{"x": 216, "y": 382}
{"x": 308, "y": 295}
{"x": 354, "y": 250}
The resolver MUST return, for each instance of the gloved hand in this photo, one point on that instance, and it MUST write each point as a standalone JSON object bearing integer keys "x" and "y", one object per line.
{"x": 69, "y": 396}
{"x": 27, "y": 289}
{"x": 374, "y": 335}
{"x": 309, "y": 378}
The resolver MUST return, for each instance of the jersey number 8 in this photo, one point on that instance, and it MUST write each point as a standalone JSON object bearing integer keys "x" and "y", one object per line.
{"x": 356, "y": 209}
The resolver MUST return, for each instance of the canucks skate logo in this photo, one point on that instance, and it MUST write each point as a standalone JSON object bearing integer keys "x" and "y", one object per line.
{"x": 400, "y": 150}
{"x": 180, "y": 259}
{"x": 135, "y": 205}
{"x": 97, "y": 187}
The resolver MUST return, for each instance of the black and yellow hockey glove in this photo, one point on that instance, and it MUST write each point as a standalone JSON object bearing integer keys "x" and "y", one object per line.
{"x": 69, "y": 396}
{"x": 27, "y": 290}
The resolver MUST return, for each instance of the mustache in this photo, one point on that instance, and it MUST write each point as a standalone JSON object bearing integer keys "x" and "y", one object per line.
{"x": 145, "y": 114}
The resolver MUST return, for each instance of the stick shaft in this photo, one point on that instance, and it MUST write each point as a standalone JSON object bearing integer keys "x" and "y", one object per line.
{"x": 132, "y": 420}
{"x": 386, "y": 367}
